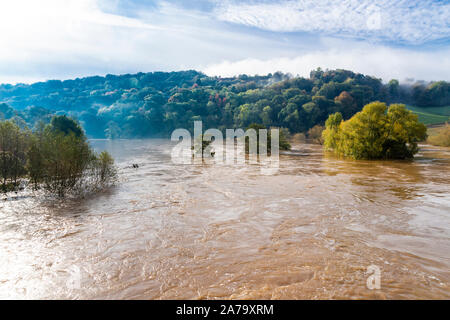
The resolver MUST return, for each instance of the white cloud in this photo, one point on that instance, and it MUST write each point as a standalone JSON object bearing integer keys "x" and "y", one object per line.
{"x": 61, "y": 32}
{"x": 61, "y": 39}
{"x": 411, "y": 21}
{"x": 382, "y": 62}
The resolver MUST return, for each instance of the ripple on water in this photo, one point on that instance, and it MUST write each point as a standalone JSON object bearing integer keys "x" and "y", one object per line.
{"x": 180, "y": 231}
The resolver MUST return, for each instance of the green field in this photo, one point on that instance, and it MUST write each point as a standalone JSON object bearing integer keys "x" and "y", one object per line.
{"x": 432, "y": 115}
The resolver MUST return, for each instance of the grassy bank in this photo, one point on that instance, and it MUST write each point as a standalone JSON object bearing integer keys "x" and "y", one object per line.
{"x": 432, "y": 115}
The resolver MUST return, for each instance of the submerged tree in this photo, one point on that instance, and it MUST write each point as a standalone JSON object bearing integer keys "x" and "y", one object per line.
{"x": 103, "y": 170}
{"x": 63, "y": 160}
{"x": 13, "y": 145}
{"x": 282, "y": 138}
{"x": 56, "y": 157}
{"x": 66, "y": 158}
{"x": 374, "y": 133}
{"x": 404, "y": 131}
{"x": 35, "y": 162}
{"x": 202, "y": 146}
{"x": 315, "y": 134}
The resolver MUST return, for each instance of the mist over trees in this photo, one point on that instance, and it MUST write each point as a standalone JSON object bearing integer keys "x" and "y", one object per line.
{"x": 154, "y": 104}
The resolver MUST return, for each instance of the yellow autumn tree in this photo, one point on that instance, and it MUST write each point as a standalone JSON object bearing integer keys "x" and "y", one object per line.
{"x": 376, "y": 132}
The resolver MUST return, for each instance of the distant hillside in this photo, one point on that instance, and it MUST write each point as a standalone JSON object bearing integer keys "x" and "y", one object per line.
{"x": 154, "y": 104}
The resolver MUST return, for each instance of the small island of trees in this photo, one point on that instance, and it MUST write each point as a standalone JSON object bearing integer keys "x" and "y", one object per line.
{"x": 376, "y": 132}
{"x": 55, "y": 157}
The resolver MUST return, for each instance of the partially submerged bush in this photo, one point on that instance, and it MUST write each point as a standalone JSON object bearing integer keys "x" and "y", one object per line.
{"x": 282, "y": 138}
{"x": 315, "y": 134}
{"x": 56, "y": 157}
{"x": 202, "y": 146}
{"x": 104, "y": 170}
{"x": 13, "y": 146}
{"x": 299, "y": 137}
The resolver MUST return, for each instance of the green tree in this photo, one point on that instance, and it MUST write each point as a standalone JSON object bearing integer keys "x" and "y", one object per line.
{"x": 375, "y": 134}
{"x": 331, "y": 134}
{"x": 103, "y": 170}
{"x": 346, "y": 104}
{"x": 13, "y": 145}
{"x": 282, "y": 138}
{"x": 393, "y": 89}
{"x": 404, "y": 131}
{"x": 61, "y": 160}
{"x": 35, "y": 161}
{"x": 65, "y": 159}
{"x": 66, "y": 125}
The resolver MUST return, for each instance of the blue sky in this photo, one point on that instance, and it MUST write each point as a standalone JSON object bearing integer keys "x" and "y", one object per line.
{"x": 61, "y": 39}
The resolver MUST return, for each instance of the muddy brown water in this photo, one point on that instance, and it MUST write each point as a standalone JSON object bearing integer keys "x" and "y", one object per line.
{"x": 171, "y": 231}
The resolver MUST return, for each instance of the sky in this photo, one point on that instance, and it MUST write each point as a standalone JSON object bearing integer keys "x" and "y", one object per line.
{"x": 64, "y": 39}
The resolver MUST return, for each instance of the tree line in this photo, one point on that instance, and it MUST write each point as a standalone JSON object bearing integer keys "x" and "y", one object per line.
{"x": 154, "y": 104}
{"x": 55, "y": 157}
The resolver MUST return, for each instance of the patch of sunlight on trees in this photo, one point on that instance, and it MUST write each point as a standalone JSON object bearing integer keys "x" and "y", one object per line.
{"x": 377, "y": 132}
{"x": 55, "y": 157}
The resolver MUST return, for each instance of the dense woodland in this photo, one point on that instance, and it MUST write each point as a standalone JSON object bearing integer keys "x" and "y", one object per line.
{"x": 154, "y": 104}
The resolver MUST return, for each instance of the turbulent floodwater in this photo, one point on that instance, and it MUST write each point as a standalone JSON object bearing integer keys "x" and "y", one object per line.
{"x": 173, "y": 231}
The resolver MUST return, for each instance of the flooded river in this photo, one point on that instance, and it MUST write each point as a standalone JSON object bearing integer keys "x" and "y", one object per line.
{"x": 171, "y": 231}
